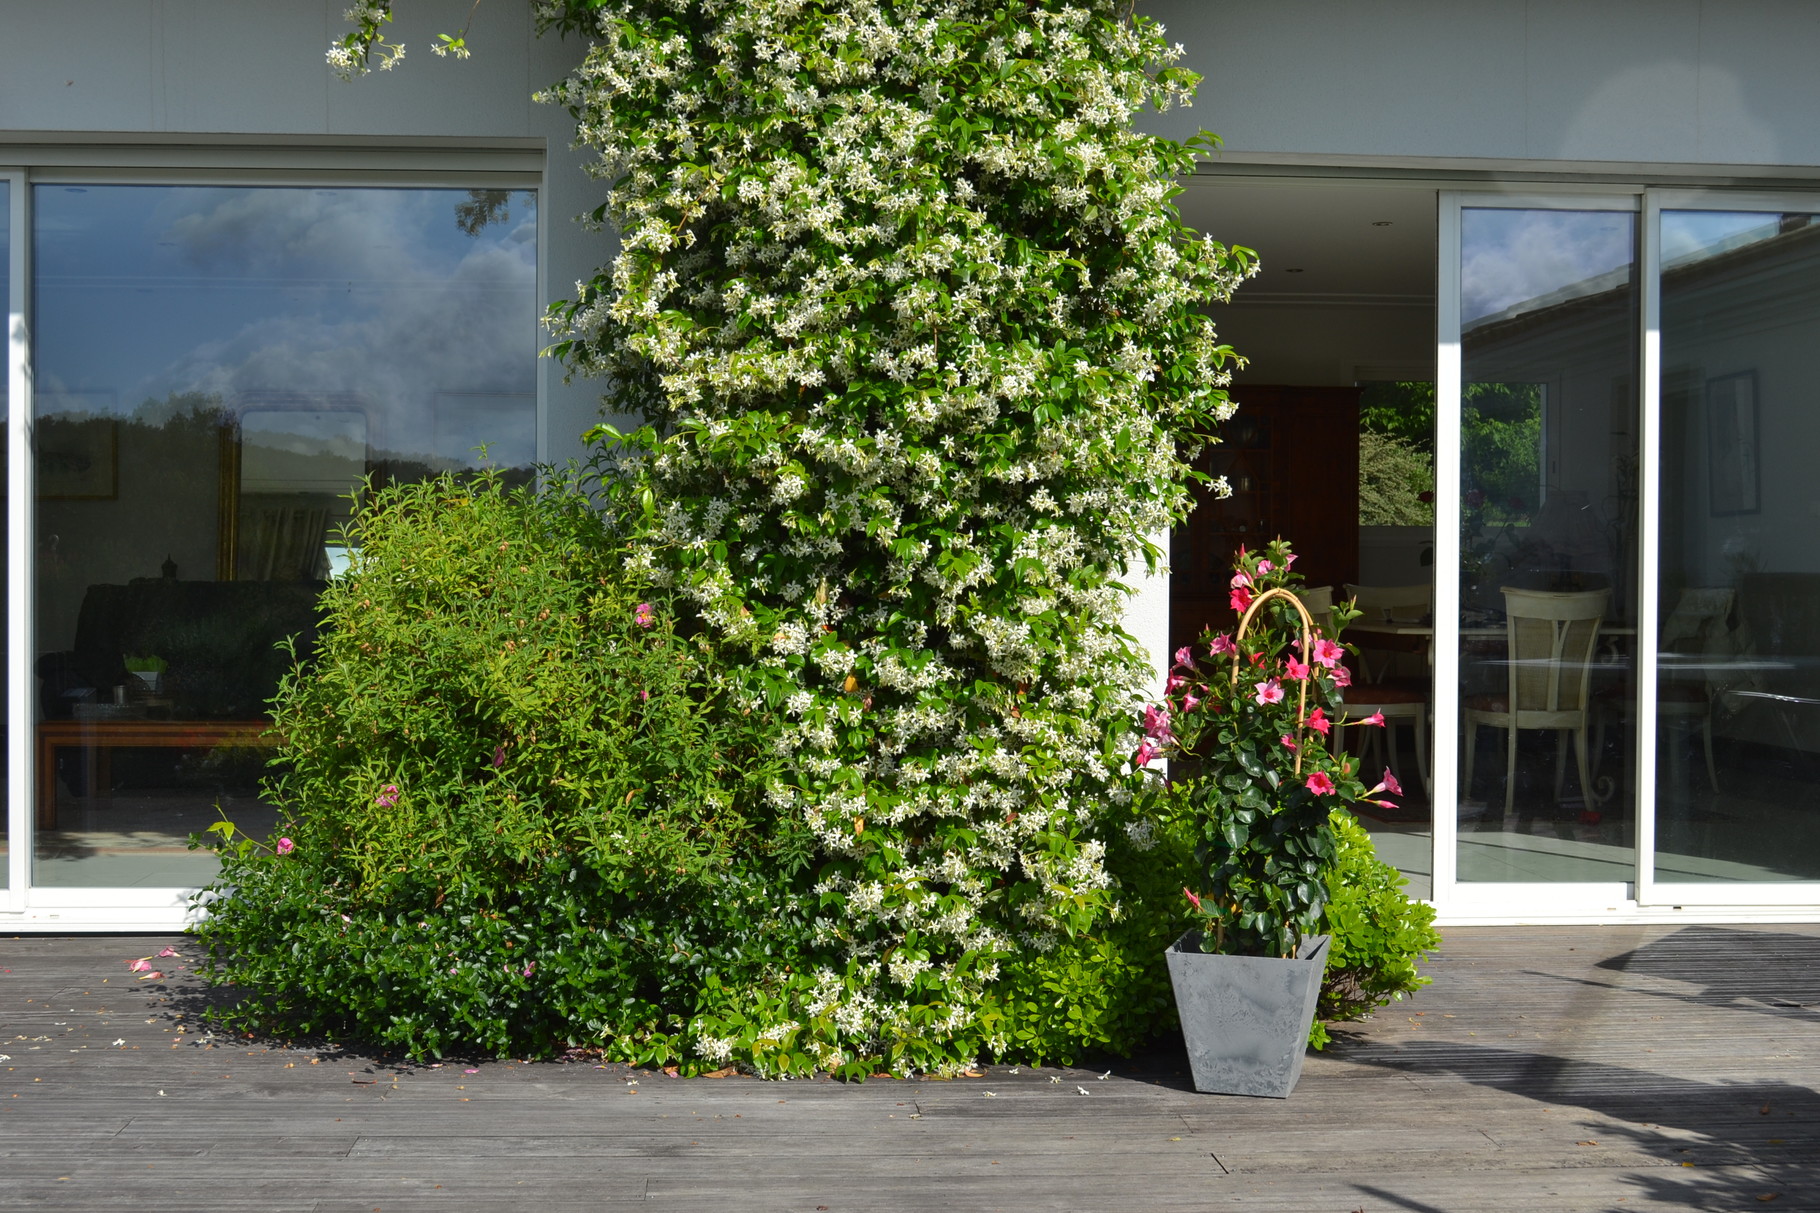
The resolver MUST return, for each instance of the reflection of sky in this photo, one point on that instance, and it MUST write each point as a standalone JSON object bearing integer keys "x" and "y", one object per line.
{"x": 1511, "y": 257}
{"x": 342, "y": 297}
{"x": 1694, "y": 235}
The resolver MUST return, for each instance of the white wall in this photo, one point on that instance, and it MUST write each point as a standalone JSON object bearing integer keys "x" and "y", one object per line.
{"x": 1634, "y": 81}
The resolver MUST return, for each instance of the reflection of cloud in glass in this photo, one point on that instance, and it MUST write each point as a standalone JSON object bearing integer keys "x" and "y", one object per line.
{"x": 371, "y": 298}
{"x": 1696, "y": 235}
{"x": 1512, "y": 257}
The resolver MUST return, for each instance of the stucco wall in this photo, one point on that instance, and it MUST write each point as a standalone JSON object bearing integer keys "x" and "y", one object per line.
{"x": 1629, "y": 81}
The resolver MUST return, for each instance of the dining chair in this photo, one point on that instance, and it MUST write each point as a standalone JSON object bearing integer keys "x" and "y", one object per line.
{"x": 1697, "y": 626}
{"x": 1551, "y": 639}
{"x": 1399, "y": 659}
{"x": 1402, "y": 697}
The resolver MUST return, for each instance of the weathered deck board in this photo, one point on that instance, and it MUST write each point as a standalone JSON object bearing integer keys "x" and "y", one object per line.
{"x": 1587, "y": 1068}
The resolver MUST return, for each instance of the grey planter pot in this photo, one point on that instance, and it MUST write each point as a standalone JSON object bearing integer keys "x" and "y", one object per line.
{"x": 1246, "y": 1018}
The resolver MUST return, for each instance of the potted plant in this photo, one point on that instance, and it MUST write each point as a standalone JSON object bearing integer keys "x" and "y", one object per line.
{"x": 148, "y": 670}
{"x": 1245, "y": 722}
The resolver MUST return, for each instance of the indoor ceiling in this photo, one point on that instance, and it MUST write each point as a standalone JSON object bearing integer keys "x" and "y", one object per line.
{"x": 1360, "y": 240}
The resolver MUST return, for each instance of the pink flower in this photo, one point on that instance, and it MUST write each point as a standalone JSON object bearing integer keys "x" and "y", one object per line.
{"x": 1177, "y": 682}
{"x": 1264, "y": 566}
{"x": 1184, "y": 658}
{"x": 388, "y": 796}
{"x": 1295, "y": 669}
{"x": 1342, "y": 677}
{"x": 1390, "y": 783}
{"x": 1241, "y": 579}
{"x": 1320, "y": 784}
{"x": 643, "y": 615}
{"x": 1190, "y": 703}
{"x": 1327, "y": 653}
{"x": 1192, "y": 899}
{"x": 1289, "y": 560}
{"x": 1269, "y": 691}
{"x": 1156, "y": 723}
{"x": 1145, "y": 753}
{"x": 1376, "y": 718}
{"x": 285, "y": 846}
{"x": 142, "y": 965}
{"x": 1240, "y": 598}
{"x": 1288, "y": 740}
{"x": 1221, "y": 644}
{"x": 1317, "y": 720}
{"x": 171, "y": 952}
{"x": 528, "y": 968}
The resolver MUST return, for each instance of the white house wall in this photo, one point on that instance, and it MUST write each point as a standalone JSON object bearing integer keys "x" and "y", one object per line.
{"x": 1669, "y": 82}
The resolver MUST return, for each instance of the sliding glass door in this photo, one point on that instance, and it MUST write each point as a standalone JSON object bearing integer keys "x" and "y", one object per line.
{"x": 1628, "y": 658}
{"x": 1737, "y": 686}
{"x": 215, "y": 373}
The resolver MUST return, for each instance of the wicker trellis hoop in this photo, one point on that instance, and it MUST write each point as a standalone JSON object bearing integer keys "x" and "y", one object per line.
{"x": 1301, "y": 707}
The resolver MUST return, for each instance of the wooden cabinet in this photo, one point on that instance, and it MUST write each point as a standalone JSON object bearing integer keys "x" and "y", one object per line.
{"x": 1291, "y": 455}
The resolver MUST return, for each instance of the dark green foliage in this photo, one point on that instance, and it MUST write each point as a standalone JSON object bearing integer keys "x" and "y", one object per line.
{"x": 1379, "y": 933}
{"x": 516, "y": 816}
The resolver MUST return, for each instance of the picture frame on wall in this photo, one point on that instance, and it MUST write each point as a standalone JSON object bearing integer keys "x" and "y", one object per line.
{"x": 1733, "y": 444}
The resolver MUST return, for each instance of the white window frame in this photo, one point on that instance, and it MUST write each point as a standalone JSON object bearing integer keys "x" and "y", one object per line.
{"x": 1459, "y": 901}
{"x": 1650, "y": 891}
{"x": 103, "y": 908}
{"x": 18, "y": 471}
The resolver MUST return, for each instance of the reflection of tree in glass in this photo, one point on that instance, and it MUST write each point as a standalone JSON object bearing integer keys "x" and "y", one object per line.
{"x": 1501, "y": 451}
{"x": 482, "y": 208}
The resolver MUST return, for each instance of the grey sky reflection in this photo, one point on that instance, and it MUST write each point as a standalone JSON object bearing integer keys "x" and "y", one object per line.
{"x": 1512, "y": 257}
{"x": 1695, "y": 235}
{"x": 281, "y": 296}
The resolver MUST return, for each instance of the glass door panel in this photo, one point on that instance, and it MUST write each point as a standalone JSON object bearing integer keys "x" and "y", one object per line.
{"x": 1548, "y": 509}
{"x": 216, "y": 369}
{"x": 1738, "y": 661}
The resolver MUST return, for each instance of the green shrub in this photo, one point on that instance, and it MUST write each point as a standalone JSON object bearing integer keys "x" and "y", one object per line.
{"x": 517, "y": 813}
{"x": 1379, "y": 932}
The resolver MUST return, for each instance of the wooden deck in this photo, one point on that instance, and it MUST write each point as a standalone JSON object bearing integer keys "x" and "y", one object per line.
{"x": 1615, "y": 1068}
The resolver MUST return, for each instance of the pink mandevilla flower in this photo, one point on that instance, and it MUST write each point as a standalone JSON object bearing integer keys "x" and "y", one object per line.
{"x": 1320, "y": 784}
{"x": 1390, "y": 783}
{"x": 1221, "y": 644}
{"x": 1376, "y": 718}
{"x": 1145, "y": 752}
{"x": 1317, "y": 720}
{"x": 1295, "y": 669}
{"x": 1190, "y": 702}
{"x": 1240, "y": 598}
{"x": 1156, "y": 723}
{"x": 285, "y": 846}
{"x": 1184, "y": 658}
{"x": 1192, "y": 899}
{"x": 1264, "y": 566}
{"x": 1289, "y": 740}
{"x": 1177, "y": 682}
{"x": 1241, "y": 578}
{"x": 1342, "y": 677}
{"x": 1327, "y": 653}
{"x": 1269, "y": 691}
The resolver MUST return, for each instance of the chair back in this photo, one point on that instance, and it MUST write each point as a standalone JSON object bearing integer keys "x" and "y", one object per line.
{"x": 1319, "y": 601}
{"x": 1393, "y": 603}
{"x": 1699, "y": 622}
{"x": 1553, "y": 636}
